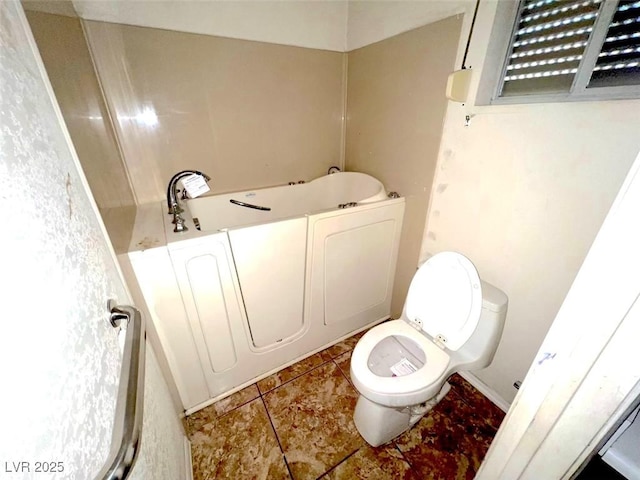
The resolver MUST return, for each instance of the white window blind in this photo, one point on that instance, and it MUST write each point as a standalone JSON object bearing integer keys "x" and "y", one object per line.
{"x": 619, "y": 58}
{"x": 559, "y": 46}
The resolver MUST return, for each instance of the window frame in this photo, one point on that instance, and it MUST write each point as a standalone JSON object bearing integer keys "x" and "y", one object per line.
{"x": 500, "y": 44}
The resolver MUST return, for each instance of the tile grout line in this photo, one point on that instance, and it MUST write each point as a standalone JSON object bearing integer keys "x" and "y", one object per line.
{"x": 324, "y": 362}
{"x": 344, "y": 375}
{"x": 340, "y": 462}
{"x": 404, "y": 457}
{"x": 294, "y": 378}
{"x": 261, "y": 395}
{"x": 217, "y": 417}
{"x": 275, "y": 432}
{"x": 241, "y": 405}
{"x": 332, "y": 360}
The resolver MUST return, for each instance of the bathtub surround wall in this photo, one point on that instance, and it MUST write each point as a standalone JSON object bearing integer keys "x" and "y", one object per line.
{"x": 395, "y": 106}
{"x": 522, "y": 191}
{"x": 59, "y": 7}
{"x": 64, "y": 52}
{"x": 249, "y": 114}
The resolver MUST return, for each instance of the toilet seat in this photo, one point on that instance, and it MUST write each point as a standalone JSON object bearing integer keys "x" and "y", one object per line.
{"x": 408, "y": 387}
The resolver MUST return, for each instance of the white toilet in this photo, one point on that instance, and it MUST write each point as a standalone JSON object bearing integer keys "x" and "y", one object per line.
{"x": 451, "y": 321}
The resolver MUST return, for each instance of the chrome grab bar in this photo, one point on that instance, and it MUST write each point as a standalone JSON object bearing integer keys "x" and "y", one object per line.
{"x": 249, "y": 205}
{"x": 127, "y": 427}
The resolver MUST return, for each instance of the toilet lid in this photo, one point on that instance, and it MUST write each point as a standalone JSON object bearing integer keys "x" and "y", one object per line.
{"x": 445, "y": 295}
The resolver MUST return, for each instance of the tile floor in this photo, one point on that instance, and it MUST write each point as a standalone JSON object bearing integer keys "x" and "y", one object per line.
{"x": 297, "y": 424}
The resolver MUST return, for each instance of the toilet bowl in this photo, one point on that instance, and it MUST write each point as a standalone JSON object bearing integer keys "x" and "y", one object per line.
{"x": 451, "y": 321}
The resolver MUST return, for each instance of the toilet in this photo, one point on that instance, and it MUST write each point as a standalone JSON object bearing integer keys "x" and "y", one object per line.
{"x": 452, "y": 321}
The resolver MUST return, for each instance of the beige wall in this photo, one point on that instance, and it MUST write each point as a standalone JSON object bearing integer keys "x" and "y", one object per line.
{"x": 249, "y": 114}
{"x": 396, "y": 102}
{"x": 64, "y": 52}
{"x": 522, "y": 192}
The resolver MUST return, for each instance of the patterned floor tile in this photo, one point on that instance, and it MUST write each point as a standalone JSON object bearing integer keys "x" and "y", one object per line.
{"x": 344, "y": 364}
{"x": 313, "y": 418}
{"x": 449, "y": 443}
{"x": 382, "y": 463}
{"x": 240, "y": 444}
{"x": 196, "y": 420}
{"x": 484, "y": 407}
{"x": 283, "y": 376}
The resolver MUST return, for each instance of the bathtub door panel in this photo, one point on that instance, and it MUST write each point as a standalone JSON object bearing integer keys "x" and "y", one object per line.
{"x": 270, "y": 262}
{"x": 357, "y": 265}
{"x": 352, "y": 265}
{"x": 205, "y": 277}
{"x": 208, "y": 294}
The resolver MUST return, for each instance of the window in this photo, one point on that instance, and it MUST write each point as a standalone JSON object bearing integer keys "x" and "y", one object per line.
{"x": 572, "y": 50}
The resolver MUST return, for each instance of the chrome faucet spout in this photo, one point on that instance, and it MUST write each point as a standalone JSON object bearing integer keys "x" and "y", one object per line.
{"x": 172, "y": 198}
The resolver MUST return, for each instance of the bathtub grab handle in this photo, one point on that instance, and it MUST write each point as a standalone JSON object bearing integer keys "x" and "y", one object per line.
{"x": 249, "y": 205}
{"x": 127, "y": 428}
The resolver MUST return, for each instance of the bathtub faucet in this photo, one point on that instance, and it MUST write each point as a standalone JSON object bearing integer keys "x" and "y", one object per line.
{"x": 172, "y": 197}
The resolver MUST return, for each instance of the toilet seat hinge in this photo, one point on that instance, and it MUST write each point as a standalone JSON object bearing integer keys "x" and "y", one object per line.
{"x": 440, "y": 340}
{"x": 416, "y": 323}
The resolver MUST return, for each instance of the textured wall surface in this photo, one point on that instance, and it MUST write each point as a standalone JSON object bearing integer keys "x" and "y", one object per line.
{"x": 60, "y": 356}
{"x": 162, "y": 453}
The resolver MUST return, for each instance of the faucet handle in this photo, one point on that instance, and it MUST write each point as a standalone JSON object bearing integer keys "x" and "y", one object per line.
{"x": 179, "y": 224}
{"x": 176, "y": 209}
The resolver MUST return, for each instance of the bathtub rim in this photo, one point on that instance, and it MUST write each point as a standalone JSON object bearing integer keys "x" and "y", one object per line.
{"x": 374, "y": 191}
{"x": 193, "y": 234}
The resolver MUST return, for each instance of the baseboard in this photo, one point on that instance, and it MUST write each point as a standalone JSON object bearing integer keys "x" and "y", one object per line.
{"x": 487, "y": 391}
{"x": 187, "y": 460}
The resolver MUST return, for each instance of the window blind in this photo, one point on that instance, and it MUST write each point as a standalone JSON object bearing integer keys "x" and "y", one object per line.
{"x": 619, "y": 59}
{"x": 548, "y": 45}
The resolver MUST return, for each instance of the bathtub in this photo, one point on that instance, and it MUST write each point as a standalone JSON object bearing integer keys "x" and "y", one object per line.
{"x": 216, "y": 212}
{"x": 253, "y": 291}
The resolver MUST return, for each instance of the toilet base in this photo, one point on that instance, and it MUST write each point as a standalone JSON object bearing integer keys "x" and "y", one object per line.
{"x": 378, "y": 424}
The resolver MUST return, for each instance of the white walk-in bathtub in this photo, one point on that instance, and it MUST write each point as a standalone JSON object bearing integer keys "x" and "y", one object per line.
{"x": 256, "y": 290}
{"x": 218, "y": 212}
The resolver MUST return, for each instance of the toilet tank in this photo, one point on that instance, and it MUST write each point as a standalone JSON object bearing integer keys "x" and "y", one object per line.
{"x": 479, "y": 350}
{"x": 493, "y": 299}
